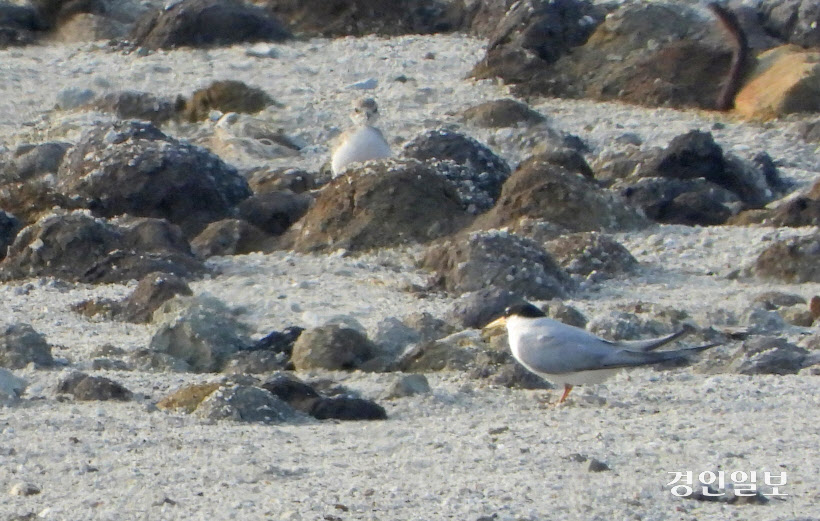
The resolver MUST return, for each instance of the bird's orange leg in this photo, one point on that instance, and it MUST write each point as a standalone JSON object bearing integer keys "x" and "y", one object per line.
{"x": 567, "y": 389}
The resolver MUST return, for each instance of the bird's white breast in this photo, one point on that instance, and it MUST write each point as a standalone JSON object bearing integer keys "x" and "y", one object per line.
{"x": 362, "y": 144}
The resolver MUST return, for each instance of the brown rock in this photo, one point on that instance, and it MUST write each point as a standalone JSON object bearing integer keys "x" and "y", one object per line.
{"x": 544, "y": 191}
{"x": 502, "y": 113}
{"x": 230, "y": 237}
{"x": 793, "y": 260}
{"x": 785, "y": 80}
{"x": 332, "y": 347}
{"x": 814, "y": 307}
{"x": 225, "y": 96}
{"x": 188, "y": 398}
{"x": 381, "y": 204}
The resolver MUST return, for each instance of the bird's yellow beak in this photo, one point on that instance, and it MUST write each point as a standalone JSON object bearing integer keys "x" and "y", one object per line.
{"x": 496, "y": 324}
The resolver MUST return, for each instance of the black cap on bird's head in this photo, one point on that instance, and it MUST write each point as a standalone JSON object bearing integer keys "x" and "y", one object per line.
{"x": 524, "y": 310}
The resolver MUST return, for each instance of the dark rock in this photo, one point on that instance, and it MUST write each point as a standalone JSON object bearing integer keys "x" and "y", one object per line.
{"x": 768, "y": 355}
{"x": 35, "y": 160}
{"x": 545, "y": 192}
{"x": 274, "y": 212}
{"x": 502, "y": 113}
{"x": 795, "y": 21}
{"x": 478, "y": 308}
{"x": 32, "y": 199}
{"x": 378, "y": 205}
{"x": 348, "y": 409}
{"x": 677, "y": 68}
{"x": 87, "y": 388}
{"x": 292, "y": 391}
{"x": 778, "y": 299}
{"x": 225, "y": 96}
{"x": 256, "y": 362}
{"x": 200, "y": 331}
{"x": 695, "y": 155}
{"x": 532, "y": 35}
{"x": 279, "y": 341}
{"x": 496, "y": 259}
{"x": 21, "y": 345}
{"x": 151, "y": 292}
{"x": 78, "y": 247}
{"x": 277, "y": 180}
{"x": 561, "y": 312}
{"x": 795, "y": 260}
{"x": 131, "y": 104}
{"x": 9, "y": 226}
{"x": 597, "y": 466}
{"x": 230, "y": 237}
{"x": 591, "y": 253}
{"x": 332, "y": 347}
{"x": 333, "y": 18}
{"x": 198, "y": 23}
{"x": 691, "y": 202}
{"x": 55, "y": 12}
{"x": 245, "y": 403}
{"x": 442, "y": 145}
{"x": 19, "y": 25}
{"x": 568, "y": 158}
{"x": 500, "y": 368}
{"x": 141, "y": 171}
{"x": 446, "y": 354}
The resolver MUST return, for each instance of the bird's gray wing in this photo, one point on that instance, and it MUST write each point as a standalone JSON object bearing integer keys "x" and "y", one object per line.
{"x": 563, "y": 350}
{"x": 654, "y": 343}
{"x": 625, "y": 358}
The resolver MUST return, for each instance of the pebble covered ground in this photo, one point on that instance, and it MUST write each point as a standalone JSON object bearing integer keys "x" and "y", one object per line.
{"x": 465, "y": 451}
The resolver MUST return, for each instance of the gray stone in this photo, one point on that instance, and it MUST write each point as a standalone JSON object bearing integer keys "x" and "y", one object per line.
{"x": 151, "y": 291}
{"x": 496, "y": 259}
{"x": 393, "y": 335}
{"x": 768, "y": 355}
{"x": 476, "y": 309}
{"x": 21, "y": 345}
{"x": 88, "y": 388}
{"x": 502, "y": 113}
{"x": 201, "y": 331}
{"x": 204, "y": 23}
{"x": 138, "y": 170}
{"x": 11, "y": 387}
{"x": 332, "y": 347}
{"x": 347, "y": 408}
{"x": 586, "y": 255}
{"x": 245, "y": 403}
{"x": 73, "y": 97}
{"x": 408, "y": 385}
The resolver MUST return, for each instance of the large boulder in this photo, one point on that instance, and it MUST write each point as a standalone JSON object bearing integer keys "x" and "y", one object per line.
{"x": 199, "y": 331}
{"x": 496, "y": 259}
{"x": 332, "y": 347}
{"x": 19, "y": 25}
{"x": 693, "y": 182}
{"x": 543, "y": 191}
{"x": 651, "y": 53}
{"x": 475, "y": 171}
{"x": 198, "y": 23}
{"x": 331, "y": 18}
{"x": 133, "y": 168}
{"x": 785, "y": 80}
{"x": 381, "y": 204}
{"x": 794, "y": 21}
{"x": 78, "y": 247}
{"x": 532, "y": 35}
